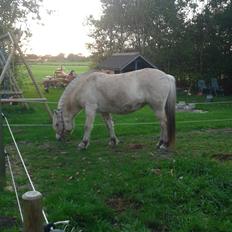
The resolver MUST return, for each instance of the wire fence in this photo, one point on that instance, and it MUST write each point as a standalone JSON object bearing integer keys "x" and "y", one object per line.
{"x": 27, "y": 125}
{"x": 24, "y": 167}
{"x": 135, "y": 123}
{"x": 42, "y": 100}
{"x": 197, "y": 103}
{"x": 49, "y": 227}
{"x": 129, "y": 123}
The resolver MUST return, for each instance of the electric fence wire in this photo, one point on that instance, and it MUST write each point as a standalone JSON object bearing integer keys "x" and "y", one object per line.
{"x": 22, "y": 161}
{"x": 197, "y": 103}
{"x": 14, "y": 186}
{"x": 129, "y": 123}
{"x": 46, "y": 125}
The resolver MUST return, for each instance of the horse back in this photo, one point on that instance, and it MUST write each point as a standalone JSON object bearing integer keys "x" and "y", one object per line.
{"x": 123, "y": 93}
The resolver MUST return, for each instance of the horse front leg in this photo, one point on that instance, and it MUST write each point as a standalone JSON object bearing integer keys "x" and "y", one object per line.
{"x": 110, "y": 126}
{"x": 90, "y": 116}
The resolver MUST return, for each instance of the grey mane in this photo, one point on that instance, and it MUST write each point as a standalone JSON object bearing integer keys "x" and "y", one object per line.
{"x": 70, "y": 87}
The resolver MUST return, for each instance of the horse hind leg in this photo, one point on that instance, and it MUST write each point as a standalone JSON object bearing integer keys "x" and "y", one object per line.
{"x": 110, "y": 126}
{"x": 163, "y": 142}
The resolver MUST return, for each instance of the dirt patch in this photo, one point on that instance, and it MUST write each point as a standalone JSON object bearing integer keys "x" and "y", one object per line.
{"x": 120, "y": 204}
{"x": 157, "y": 228}
{"x": 135, "y": 146}
{"x": 223, "y": 157}
{"x": 7, "y": 222}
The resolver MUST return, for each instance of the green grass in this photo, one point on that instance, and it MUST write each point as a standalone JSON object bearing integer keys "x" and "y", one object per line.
{"x": 128, "y": 188}
{"x": 42, "y": 70}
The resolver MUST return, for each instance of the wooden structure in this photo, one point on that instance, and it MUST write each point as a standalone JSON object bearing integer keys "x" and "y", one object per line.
{"x": 2, "y": 156}
{"x": 59, "y": 79}
{"x": 8, "y": 84}
{"x": 9, "y": 88}
{"x": 23, "y": 100}
{"x": 124, "y": 62}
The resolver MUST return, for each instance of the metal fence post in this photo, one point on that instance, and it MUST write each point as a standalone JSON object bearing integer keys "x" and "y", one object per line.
{"x": 32, "y": 212}
{"x": 2, "y": 155}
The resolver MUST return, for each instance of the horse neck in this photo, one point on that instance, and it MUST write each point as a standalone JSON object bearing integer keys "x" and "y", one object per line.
{"x": 69, "y": 110}
{"x": 67, "y": 101}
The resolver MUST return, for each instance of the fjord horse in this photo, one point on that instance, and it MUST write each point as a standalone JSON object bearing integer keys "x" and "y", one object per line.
{"x": 102, "y": 93}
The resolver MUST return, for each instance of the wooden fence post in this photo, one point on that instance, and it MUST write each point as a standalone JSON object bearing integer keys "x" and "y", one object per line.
{"x": 2, "y": 155}
{"x": 32, "y": 212}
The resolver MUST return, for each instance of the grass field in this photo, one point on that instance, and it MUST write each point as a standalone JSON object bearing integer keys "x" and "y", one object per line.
{"x": 132, "y": 187}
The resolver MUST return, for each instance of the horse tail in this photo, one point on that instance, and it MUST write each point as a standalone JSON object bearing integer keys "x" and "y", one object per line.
{"x": 170, "y": 110}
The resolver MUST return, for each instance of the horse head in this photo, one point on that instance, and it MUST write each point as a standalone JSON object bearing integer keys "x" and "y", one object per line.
{"x": 61, "y": 125}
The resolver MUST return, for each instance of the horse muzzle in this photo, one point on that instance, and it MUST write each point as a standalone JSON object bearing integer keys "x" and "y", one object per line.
{"x": 62, "y": 136}
{"x": 59, "y": 137}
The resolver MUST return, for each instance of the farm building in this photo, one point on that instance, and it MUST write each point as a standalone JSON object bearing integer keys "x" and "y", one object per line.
{"x": 124, "y": 62}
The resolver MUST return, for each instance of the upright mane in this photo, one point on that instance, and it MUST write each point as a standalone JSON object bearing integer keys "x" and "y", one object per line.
{"x": 70, "y": 88}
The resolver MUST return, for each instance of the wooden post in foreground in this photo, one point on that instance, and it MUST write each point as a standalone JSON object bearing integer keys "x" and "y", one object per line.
{"x": 32, "y": 212}
{"x": 2, "y": 155}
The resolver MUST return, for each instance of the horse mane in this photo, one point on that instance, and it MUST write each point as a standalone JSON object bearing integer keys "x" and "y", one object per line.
{"x": 71, "y": 86}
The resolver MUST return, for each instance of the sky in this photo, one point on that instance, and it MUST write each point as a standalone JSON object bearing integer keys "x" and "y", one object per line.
{"x": 63, "y": 31}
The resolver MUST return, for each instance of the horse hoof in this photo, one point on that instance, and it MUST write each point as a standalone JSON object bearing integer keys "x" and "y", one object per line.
{"x": 159, "y": 144}
{"x": 163, "y": 147}
{"x": 80, "y": 148}
{"x": 83, "y": 145}
{"x": 113, "y": 142}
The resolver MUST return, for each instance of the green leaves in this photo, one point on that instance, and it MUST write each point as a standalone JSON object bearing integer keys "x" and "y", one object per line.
{"x": 14, "y": 14}
{"x": 183, "y": 36}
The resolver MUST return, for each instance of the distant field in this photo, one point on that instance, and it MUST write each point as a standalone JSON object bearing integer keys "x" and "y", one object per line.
{"x": 47, "y": 69}
{"x": 40, "y": 71}
{"x": 132, "y": 187}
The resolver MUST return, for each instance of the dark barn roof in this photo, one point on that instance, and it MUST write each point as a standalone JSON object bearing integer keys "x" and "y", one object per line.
{"x": 124, "y": 62}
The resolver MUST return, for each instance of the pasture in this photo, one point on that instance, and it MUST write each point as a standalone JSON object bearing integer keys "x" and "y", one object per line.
{"x": 132, "y": 187}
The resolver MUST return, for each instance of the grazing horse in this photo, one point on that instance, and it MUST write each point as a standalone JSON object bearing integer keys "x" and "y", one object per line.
{"x": 102, "y": 93}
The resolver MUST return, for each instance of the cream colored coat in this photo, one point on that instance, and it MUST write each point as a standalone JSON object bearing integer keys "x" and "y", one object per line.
{"x": 119, "y": 94}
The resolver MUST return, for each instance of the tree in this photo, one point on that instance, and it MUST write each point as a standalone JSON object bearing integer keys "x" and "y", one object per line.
{"x": 60, "y": 57}
{"x": 15, "y": 12}
{"x": 152, "y": 27}
{"x": 188, "y": 38}
{"x": 75, "y": 57}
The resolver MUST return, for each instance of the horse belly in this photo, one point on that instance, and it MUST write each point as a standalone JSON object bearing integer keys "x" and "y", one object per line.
{"x": 120, "y": 97}
{"x": 116, "y": 107}
{"x": 129, "y": 108}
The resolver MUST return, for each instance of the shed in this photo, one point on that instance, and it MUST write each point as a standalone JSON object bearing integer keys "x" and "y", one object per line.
{"x": 124, "y": 62}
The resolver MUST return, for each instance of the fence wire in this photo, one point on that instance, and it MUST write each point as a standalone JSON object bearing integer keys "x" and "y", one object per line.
{"x": 128, "y": 123}
{"x": 22, "y": 161}
{"x": 14, "y": 186}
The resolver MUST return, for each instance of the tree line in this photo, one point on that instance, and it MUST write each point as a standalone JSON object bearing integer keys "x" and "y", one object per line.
{"x": 191, "y": 39}
{"x": 57, "y": 58}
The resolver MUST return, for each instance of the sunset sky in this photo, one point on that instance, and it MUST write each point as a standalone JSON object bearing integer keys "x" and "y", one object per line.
{"x": 63, "y": 31}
